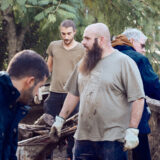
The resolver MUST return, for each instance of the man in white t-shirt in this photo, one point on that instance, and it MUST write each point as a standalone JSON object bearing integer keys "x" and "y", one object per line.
{"x": 110, "y": 90}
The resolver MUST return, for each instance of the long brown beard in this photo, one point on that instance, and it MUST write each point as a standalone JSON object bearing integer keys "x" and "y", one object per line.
{"x": 91, "y": 59}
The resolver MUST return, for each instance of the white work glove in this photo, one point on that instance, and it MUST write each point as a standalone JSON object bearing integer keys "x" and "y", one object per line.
{"x": 131, "y": 138}
{"x": 55, "y": 131}
{"x": 39, "y": 97}
{"x": 36, "y": 100}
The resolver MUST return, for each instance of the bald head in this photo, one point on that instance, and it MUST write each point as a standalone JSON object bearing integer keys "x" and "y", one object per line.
{"x": 99, "y": 30}
{"x": 97, "y": 33}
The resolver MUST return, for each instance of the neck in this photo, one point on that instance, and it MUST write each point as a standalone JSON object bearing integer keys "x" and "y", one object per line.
{"x": 17, "y": 84}
{"x": 71, "y": 45}
{"x": 107, "y": 51}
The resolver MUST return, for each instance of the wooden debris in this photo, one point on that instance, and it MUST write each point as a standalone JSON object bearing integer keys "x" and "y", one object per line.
{"x": 46, "y": 119}
{"x": 35, "y": 140}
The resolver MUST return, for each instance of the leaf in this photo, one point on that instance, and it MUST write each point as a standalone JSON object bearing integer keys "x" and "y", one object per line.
{"x": 68, "y": 8}
{"x": 46, "y": 25}
{"x": 39, "y": 16}
{"x": 48, "y": 10}
{"x": 55, "y": 2}
{"x": 34, "y": 2}
{"x": 21, "y": 2}
{"x": 66, "y": 14}
{"x": 52, "y": 18}
{"x": 19, "y": 13}
{"x": 5, "y": 4}
{"x": 43, "y": 2}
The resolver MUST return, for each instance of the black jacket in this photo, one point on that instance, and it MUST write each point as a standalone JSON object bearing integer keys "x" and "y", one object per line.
{"x": 150, "y": 81}
{"x": 11, "y": 112}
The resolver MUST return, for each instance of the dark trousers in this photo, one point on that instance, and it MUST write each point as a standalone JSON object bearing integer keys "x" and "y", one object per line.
{"x": 105, "y": 150}
{"x": 142, "y": 151}
{"x": 53, "y": 105}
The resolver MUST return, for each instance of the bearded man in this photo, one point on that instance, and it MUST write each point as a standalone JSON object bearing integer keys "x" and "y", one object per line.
{"x": 110, "y": 90}
{"x": 63, "y": 56}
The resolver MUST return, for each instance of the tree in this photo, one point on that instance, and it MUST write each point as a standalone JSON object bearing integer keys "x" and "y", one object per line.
{"x": 20, "y": 17}
{"x": 120, "y": 14}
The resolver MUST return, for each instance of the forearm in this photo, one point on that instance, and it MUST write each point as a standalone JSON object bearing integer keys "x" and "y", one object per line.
{"x": 50, "y": 63}
{"x": 69, "y": 105}
{"x": 136, "y": 113}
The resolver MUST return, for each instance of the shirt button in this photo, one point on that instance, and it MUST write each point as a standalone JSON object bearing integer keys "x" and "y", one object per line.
{"x": 13, "y": 92}
{"x": 14, "y": 130}
{"x": 11, "y": 106}
{"x": 2, "y": 134}
{"x": 23, "y": 113}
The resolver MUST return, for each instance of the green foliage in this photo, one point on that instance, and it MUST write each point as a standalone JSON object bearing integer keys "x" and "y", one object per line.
{"x": 3, "y": 46}
{"x": 120, "y": 14}
{"x": 42, "y": 18}
{"x": 5, "y": 4}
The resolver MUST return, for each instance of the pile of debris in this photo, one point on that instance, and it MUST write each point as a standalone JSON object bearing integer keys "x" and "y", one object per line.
{"x": 34, "y": 141}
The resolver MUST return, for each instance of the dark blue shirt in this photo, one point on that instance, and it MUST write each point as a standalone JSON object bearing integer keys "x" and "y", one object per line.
{"x": 11, "y": 112}
{"x": 150, "y": 80}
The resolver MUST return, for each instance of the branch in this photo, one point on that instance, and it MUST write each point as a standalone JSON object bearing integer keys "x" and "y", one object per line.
{"x": 57, "y": 7}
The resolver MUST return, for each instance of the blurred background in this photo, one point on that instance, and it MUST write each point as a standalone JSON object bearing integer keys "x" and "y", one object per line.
{"x": 33, "y": 24}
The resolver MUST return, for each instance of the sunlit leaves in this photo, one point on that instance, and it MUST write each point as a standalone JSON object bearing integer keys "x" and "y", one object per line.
{"x": 5, "y": 4}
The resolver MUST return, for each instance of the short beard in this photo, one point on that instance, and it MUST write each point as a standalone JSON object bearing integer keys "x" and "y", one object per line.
{"x": 91, "y": 59}
{"x": 67, "y": 42}
{"x": 27, "y": 96}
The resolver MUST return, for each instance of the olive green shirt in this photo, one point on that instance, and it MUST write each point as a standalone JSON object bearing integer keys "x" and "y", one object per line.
{"x": 106, "y": 95}
{"x": 64, "y": 62}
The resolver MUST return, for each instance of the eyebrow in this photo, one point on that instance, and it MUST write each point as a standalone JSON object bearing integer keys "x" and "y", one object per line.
{"x": 65, "y": 33}
{"x": 86, "y": 37}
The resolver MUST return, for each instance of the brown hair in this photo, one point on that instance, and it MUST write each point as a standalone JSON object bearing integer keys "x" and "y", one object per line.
{"x": 68, "y": 23}
{"x": 28, "y": 63}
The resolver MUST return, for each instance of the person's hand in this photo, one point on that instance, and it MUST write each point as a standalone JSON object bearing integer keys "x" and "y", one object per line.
{"x": 37, "y": 100}
{"x": 131, "y": 138}
{"x": 39, "y": 97}
{"x": 55, "y": 131}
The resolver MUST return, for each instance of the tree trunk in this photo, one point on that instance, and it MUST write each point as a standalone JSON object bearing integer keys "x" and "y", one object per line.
{"x": 15, "y": 41}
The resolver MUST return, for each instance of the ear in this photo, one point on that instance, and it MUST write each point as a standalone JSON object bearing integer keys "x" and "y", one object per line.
{"x": 29, "y": 81}
{"x": 131, "y": 40}
{"x": 74, "y": 31}
{"x": 100, "y": 40}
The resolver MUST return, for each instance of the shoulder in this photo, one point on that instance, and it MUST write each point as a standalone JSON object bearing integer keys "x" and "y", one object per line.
{"x": 5, "y": 82}
{"x": 125, "y": 59}
{"x": 120, "y": 56}
{"x": 80, "y": 46}
{"x": 5, "y": 79}
{"x": 136, "y": 56}
{"x": 55, "y": 43}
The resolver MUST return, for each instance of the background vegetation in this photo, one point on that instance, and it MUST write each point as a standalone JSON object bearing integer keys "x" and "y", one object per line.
{"x": 32, "y": 24}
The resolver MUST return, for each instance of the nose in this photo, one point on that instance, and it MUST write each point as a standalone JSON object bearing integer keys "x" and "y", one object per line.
{"x": 83, "y": 42}
{"x": 143, "y": 50}
{"x": 66, "y": 36}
